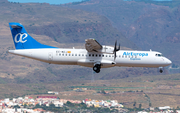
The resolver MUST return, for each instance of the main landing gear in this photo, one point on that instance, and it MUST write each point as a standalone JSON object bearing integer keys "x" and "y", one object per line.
{"x": 97, "y": 68}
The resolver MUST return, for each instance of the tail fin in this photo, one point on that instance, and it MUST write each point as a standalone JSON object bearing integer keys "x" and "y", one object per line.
{"x": 22, "y": 40}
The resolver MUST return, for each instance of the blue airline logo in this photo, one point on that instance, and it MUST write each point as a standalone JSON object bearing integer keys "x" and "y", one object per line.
{"x": 20, "y": 37}
{"x": 135, "y": 54}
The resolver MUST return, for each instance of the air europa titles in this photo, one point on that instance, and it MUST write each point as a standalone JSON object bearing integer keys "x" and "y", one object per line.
{"x": 135, "y": 54}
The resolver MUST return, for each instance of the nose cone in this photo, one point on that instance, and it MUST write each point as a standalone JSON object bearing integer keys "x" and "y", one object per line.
{"x": 168, "y": 62}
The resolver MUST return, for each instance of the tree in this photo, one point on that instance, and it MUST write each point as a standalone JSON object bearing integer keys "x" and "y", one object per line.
{"x": 25, "y": 105}
{"x": 16, "y": 106}
{"x": 103, "y": 92}
{"x": 134, "y": 105}
{"x": 140, "y": 106}
{"x": 177, "y": 108}
{"x": 68, "y": 103}
{"x": 150, "y": 104}
{"x": 51, "y": 106}
{"x": 37, "y": 106}
{"x": 83, "y": 105}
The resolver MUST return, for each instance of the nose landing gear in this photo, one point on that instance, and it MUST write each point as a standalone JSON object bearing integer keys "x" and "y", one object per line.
{"x": 160, "y": 69}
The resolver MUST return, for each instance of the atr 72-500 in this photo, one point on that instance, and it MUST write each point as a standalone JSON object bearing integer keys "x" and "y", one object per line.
{"x": 95, "y": 55}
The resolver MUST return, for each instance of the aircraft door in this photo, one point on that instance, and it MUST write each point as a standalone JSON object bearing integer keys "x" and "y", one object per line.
{"x": 50, "y": 56}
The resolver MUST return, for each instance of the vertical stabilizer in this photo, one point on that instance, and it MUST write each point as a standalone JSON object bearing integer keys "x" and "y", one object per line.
{"x": 22, "y": 40}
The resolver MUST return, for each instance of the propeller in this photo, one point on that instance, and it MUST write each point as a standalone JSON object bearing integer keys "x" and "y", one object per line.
{"x": 116, "y": 49}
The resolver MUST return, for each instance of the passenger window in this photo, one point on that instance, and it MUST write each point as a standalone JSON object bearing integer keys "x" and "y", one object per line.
{"x": 79, "y": 54}
{"x": 123, "y": 56}
{"x": 92, "y": 54}
{"x": 129, "y": 56}
{"x": 89, "y": 54}
{"x": 96, "y": 55}
{"x": 126, "y": 56}
{"x": 75, "y": 54}
{"x": 59, "y": 54}
{"x": 109, "y": 55}
{"x": 102, "y": 55}
{"x": 72, "y": 54}
{"x": 82, "y": 54}
{"x": 69, "y": 54}
{"x": 119, "y": 56}
{"x": 99, "y": 55}
{"x": 66, "y": 54}
{"x": 62, "y": 54}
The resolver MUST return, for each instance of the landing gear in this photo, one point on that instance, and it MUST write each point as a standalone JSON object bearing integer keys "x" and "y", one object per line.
{"x": 97, "y": 68}
{"x": 160, "y": 69}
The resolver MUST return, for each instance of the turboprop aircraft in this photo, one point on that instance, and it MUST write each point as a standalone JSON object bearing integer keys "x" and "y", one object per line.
{"x": 95, "y": 55}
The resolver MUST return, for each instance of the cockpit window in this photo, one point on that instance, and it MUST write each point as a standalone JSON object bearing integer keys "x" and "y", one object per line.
{"x": 159, "y": 55}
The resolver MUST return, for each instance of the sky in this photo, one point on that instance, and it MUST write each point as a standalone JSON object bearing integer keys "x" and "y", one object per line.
{"x": 58, "y": 1}
{"x": 47, "y": 1}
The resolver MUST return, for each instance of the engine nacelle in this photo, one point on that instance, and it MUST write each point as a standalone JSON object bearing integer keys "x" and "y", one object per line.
{"x": 107, "y": 63}
{"x": 91, "y": 63}
{"x": 107, "y": 49}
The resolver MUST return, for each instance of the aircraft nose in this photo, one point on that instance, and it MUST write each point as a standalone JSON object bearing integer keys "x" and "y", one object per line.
{"x": 168, "y": 62}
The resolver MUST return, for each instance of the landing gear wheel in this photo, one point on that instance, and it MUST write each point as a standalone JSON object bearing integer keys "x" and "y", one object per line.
{"x": 160, "y": 70}
{"x": 97, "y": 68}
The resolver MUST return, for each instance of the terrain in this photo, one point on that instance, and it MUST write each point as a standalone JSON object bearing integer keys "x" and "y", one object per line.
{"x": 149, "y": 91}
{"x": 60, "y": 27}
{"x": 68, "y": 26}
{"x": 149, "y": 24}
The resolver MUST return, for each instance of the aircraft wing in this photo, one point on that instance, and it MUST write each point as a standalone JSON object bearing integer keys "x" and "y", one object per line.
{"x": 92, "y": 45}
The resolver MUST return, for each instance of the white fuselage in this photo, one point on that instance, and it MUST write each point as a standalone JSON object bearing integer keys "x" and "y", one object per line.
{"x": 88, "y": 59}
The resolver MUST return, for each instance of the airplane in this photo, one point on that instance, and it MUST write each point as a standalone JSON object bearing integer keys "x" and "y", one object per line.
{"x": 94, "y": 55}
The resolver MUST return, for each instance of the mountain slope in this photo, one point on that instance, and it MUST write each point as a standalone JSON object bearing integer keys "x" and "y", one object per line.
{"x": 56, "y": 26}
{"x": 148, "y": 25}
{"x": 64, "y": 25}
{"x": 60, "y": 27}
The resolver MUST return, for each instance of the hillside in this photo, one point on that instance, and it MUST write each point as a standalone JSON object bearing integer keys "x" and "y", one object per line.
{"x": 149, "y": 24}
{"x": 63, "y": 25}
{"x": 60, "y": 27}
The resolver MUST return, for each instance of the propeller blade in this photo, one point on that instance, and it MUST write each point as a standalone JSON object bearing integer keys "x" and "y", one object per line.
{"x": 118, "y": 47}
{"x": 114, "y": 55}
{"x": 115, "y": 46}
{"x": 115, "y": 49}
